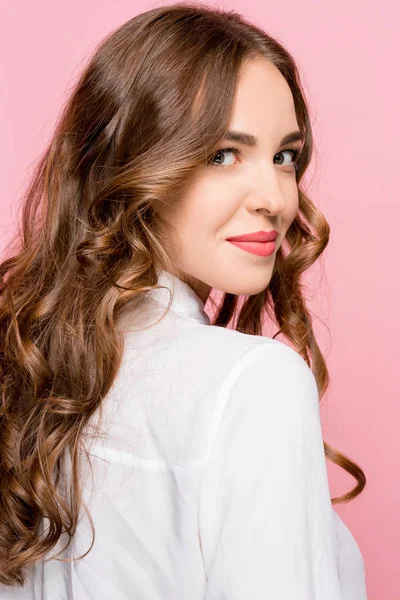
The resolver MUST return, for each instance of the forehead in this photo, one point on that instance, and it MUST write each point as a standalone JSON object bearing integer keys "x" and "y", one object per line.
{"x": 263, "y": 98}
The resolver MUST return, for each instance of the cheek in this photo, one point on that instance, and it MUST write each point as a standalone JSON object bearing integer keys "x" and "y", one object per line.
{"x": 205, "y": 208}
{"x": 294, "y": 209}
{"x": 292, "y": 203}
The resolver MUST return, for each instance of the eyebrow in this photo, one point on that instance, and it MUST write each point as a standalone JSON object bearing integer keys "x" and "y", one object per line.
{"x": 250, "y": 140}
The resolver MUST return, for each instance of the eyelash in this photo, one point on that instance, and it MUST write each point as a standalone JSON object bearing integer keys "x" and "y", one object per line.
{"x": 295, "y": 151}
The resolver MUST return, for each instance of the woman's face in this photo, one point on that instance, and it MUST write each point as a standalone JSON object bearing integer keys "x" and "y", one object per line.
{"x": 251, "y": 190}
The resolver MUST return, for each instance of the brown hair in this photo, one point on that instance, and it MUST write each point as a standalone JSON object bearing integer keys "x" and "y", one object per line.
{"x": 150, "y": 107}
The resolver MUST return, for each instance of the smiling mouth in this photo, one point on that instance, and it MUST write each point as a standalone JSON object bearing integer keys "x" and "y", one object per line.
{"x": 258, "y": 248}
{"x": 256, "y": 236}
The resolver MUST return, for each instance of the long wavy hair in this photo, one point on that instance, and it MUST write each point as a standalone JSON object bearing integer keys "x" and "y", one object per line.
{"x": 150, "y": 107}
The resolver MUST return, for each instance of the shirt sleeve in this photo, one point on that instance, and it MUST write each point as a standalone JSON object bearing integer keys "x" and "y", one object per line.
{"x": 266, "y": 524}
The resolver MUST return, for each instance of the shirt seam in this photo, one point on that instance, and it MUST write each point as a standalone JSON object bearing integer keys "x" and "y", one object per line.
{"x": 223, "y": 399}
{"x": 224, "y": 394}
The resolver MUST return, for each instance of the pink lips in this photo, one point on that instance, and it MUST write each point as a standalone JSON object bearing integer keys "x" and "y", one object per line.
{"x": 259, "y": 248}
{"x": 261, "y": 243}
{"x": 257, "y": 236}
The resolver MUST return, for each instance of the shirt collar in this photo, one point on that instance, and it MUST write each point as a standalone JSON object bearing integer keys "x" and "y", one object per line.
{"x": 185, "y": 301}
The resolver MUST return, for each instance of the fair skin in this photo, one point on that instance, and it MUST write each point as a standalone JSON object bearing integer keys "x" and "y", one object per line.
{"x": 256, "y": 190}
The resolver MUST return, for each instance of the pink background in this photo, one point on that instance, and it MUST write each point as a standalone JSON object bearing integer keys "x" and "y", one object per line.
{"x": 348, "y": 59}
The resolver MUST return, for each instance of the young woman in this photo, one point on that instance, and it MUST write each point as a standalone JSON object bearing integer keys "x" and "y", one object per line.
{"x": 146, "y": 452}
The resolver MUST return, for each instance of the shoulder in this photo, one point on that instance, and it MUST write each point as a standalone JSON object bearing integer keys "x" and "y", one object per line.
{"x": 260, "y": 360}
{"x": 270, "y": 390}
{"x": 254, "y": 360}
{"x": 266, "y": 419}
{"x": 245, "y": 347}
{"x": 276, "y": 361}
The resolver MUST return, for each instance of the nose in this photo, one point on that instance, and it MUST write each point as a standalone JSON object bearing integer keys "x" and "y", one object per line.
{"x": 267, "y": 191}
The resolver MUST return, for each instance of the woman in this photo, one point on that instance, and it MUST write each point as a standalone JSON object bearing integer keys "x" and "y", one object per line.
{"x": 147, "y": 452}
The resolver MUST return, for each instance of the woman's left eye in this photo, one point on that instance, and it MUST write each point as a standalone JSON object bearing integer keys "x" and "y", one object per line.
{"x": 295, "y": 156}
{"x": 293, "y": 151}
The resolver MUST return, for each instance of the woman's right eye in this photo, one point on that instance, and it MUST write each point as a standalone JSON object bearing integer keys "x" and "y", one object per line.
{"x": 234, "y": 151}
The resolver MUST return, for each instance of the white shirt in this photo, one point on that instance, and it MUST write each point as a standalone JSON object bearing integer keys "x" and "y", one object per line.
{"x": 210, "y": 480}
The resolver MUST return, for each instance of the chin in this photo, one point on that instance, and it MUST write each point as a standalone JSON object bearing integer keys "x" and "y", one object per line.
{"x": 248, "y": 290}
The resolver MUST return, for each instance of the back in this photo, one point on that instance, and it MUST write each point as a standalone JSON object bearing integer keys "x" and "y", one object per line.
{"x": 209, "y": 478}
